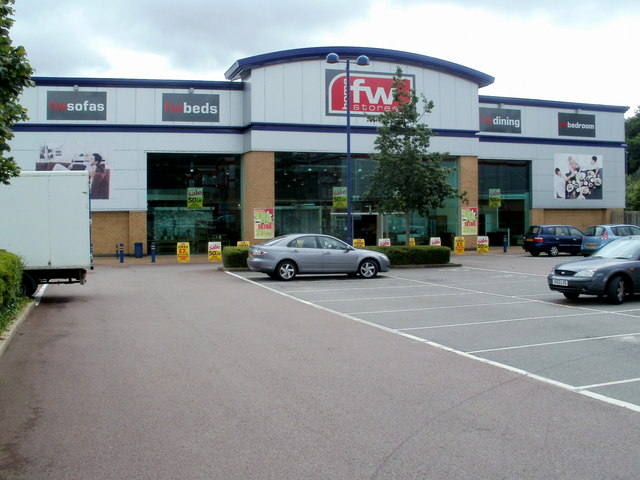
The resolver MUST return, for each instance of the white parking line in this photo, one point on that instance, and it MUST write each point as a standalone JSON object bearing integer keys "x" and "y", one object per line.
{"x": 608, "y": 384}
{"x": 441, "y": 307}
{"x": 470, "y": 355}
{"x": 532, "y": 345}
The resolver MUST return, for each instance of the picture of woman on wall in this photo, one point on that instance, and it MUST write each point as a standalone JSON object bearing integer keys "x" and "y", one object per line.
{"x": 99, "y": 176}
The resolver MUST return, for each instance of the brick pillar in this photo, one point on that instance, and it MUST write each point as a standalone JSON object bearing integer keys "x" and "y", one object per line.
{"x": 469, "y": 183}
{"x": 258, "y": 188}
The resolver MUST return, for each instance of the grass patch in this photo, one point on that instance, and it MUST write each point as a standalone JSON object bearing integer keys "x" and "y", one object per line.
{"x": 11, "y": 311}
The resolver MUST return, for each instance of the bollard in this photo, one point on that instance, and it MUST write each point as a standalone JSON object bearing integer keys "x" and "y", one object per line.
{"x": 153, "y": 252}
{"x": 121, "y": 252}
{"x": 504, "y": 244}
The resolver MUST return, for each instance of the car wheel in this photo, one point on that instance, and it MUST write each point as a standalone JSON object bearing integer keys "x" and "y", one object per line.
{"x": 368, "y": 269}
{"x": 28, "y": 286}
{"x": 553, "y": 251}
{"x": 534, "y": 254}
{"x": 616, "y": 290}
{"x": 286, "y": 270}
{"x": 571, "y": 295}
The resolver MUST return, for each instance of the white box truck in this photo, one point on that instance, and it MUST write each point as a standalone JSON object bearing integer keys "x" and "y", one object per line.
{"x": 45, "y": 218}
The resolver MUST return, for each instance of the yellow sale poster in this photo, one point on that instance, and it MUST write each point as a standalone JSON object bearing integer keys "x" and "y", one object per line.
{"x": 183, "y": 252}
{"x": 215, "y": 251}
{"x": 459, "y": 245}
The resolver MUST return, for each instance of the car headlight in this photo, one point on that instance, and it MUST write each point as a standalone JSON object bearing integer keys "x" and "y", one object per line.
{"x": 589, "y": 272}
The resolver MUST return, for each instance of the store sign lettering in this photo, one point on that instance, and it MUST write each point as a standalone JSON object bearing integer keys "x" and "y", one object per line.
{"x": 190, "y": 107}
{"x": 576, "y": 125}
{"x": 500, "y": 120}
{"x": 371, "y": 93}
{"x": 76, "y": 105}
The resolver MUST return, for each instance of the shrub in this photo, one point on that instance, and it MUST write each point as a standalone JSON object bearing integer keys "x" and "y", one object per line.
{"x": 418, "y": 255}
{"x": 234, "y": 257}
{"x": 10, "y": 284}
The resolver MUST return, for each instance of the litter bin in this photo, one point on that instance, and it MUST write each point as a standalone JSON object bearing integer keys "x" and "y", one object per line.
{"x": 138, "y": 250}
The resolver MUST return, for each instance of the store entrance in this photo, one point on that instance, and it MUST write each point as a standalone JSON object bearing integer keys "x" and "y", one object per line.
{"x": 365, "y": 226}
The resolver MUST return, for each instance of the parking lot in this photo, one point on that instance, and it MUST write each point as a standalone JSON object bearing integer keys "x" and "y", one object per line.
{"x": 496, "y": 309}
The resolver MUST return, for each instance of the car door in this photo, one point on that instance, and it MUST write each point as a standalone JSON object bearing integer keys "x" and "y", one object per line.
{"x": 574, "y": 240}
{"x": 337, "y": 257}
{"x": 305, "y": 252}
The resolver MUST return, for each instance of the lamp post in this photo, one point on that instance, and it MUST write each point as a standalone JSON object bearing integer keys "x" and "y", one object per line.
{"x": 362, "y": 60}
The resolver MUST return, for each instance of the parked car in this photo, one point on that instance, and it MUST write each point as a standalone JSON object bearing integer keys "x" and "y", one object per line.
{"x": 552, "y": 239}
{"x": 596, "y": 236}
{"x": 288, "y": 255}
{"x": 612, "y": 272}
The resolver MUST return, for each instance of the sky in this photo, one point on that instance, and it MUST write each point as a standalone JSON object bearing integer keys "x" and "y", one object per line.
{"x": 568, "y": 50}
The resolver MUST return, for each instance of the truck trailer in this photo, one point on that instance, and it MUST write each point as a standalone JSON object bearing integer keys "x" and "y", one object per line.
{"x": 45, "y": 219}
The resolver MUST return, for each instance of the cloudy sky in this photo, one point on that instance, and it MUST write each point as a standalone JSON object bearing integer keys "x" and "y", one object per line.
{"x": 570, "y": 50}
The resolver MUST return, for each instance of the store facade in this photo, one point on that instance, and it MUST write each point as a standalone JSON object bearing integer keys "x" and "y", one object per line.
{"x": 203, "y": 161}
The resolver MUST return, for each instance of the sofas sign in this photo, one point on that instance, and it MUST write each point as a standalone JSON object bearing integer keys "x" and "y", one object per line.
{"x": 190, "y": 107}
{"x": 76, "y": 105}
{"x": 371, "y": 93}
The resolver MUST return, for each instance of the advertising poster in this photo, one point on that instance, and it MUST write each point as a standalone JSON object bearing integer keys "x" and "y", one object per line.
{"x": 495, "y": 198}
{"x": 339, "y": 197}
{"x": 459, "y": 245}
{"x": 469, "y": 220}
{"x": 195, "y": 197}
{"x": 263, "y": 224}
{"x": 483, "y": 244}
{"x": 184, "y": 253}
{"x": 96, "y": 158}
{"x": 215, "y": 251}
{"x": 358, "y": 242}
{"x": 577, "y": 177}
{"x": 384, "y": 242}
{"x": 435, "y": 241}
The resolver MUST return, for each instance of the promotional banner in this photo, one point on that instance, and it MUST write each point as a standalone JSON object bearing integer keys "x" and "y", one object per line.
{"x": 190, "y": 107}
{"x": 371, "y": 93}
{"x": 184, "y": 254}
{"x": 195, "y": 197}
{"x": 339, "y": 197}
{"x": 263, "y": 224}
{"x": 495, "y": 198}
{"x": 215, "y": 251}
{"x": 483, "y": 244}
{"x": 577, "y": 177}
{"x": 500, "y": 120}
{"x": 76, "y": 105}
{"x": 469, "y": 220}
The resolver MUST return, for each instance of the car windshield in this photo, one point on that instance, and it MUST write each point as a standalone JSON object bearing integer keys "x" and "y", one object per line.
{"x": 626, "y": 249}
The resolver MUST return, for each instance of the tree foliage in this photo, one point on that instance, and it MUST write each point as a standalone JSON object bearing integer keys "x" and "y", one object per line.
{"x": 407, "y": 178}
{"x": 15, "y": 75}
{"x": 632, "y": 136}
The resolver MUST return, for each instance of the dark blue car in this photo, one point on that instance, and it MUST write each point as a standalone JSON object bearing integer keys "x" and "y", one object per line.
{"x": 552, "y": 239}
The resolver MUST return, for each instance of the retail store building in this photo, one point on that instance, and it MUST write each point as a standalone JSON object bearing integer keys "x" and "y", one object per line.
{"x": 264, "y": 153}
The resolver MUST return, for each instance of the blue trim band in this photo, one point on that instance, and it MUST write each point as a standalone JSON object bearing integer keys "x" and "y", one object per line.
{"x": 135, "y": 83}
{"x": 244, "y": 65}
{"x": 65, "y": 127}
{"x": 550, "y": 141}
{"x": 531, "y": 102}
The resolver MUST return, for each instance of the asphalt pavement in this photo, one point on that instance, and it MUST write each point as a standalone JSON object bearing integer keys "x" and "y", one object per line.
{"x": 184, "y": 371}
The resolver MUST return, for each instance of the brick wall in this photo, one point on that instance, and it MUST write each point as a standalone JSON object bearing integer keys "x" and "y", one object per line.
{"x": 111, "y": 228}
{"x": 258, "y": 188}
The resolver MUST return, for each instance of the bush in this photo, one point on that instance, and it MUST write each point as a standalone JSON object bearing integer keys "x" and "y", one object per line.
{"x": 234, "y": 257}
{"x": 10, "y": 284}
{"x": 418, "y": 255}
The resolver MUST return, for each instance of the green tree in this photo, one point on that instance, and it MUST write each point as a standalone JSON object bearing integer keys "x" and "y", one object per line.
{"x": 407, "y": 177}
{"x": 15, "y": 75}
{"x": 632, "y": 136}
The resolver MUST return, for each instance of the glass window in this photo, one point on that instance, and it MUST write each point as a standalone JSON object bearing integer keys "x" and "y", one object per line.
{"x": 212, "y": 185}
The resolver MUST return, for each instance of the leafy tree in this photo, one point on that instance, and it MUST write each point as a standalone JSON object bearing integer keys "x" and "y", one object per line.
{"x": 632, "y": 135}
{"x": 15, "y": 75}
{"x": 407, "y": 177}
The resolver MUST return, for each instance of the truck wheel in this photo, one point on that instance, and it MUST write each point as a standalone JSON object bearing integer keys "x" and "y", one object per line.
{"x": 29, "y": 285}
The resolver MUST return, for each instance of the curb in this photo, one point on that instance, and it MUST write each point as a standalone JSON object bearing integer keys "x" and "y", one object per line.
{"x": 12, "y": 328}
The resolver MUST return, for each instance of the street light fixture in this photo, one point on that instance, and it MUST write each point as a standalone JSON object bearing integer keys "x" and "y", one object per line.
{"x": 362, "y": 60}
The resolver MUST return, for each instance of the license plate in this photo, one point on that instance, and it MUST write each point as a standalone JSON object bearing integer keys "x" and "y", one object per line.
{"x": 591, "y": 245}
{"x": 559, "y": 282}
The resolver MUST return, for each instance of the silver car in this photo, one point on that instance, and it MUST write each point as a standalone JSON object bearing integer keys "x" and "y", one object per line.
{"x": 286, "y": 256}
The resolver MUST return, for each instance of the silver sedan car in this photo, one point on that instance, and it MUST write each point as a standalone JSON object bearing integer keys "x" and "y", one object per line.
{"x": 288, "y": 255}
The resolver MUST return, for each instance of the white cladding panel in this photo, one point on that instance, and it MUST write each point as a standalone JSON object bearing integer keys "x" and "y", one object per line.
{"x": 296, "y": 93}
